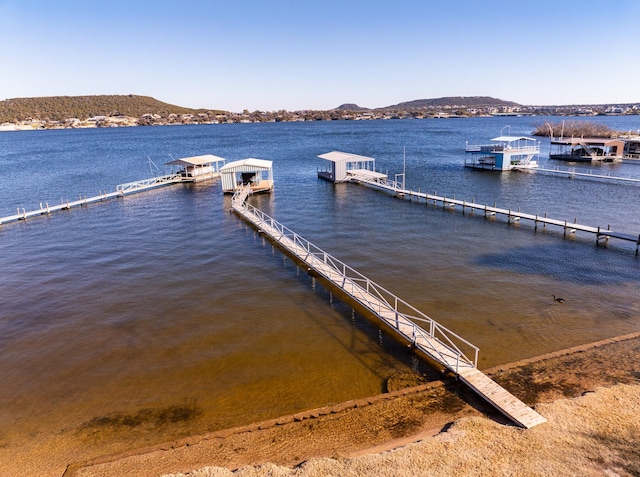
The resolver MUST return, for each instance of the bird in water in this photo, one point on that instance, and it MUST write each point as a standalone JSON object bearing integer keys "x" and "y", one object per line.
{"x": 558, "y": 299}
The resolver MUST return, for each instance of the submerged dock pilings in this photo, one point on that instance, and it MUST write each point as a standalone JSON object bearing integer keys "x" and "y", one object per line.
{"x": 435, "y": 342}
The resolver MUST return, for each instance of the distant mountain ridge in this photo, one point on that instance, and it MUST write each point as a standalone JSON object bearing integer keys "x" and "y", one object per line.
{"x": 445, "y": 102}
{"x": 454, "y": 102}
{"x": 55, "y": 112}
{"x": 59, "y": 108}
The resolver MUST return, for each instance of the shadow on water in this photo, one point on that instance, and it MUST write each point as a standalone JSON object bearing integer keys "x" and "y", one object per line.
{"x": 365, "y": 343}
{"x": 567, "y": 262}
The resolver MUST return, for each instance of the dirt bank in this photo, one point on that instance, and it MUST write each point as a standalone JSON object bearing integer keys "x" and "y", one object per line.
{"x": 398, "y": 418}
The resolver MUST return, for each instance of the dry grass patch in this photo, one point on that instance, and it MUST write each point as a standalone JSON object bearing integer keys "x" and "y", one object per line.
{"x": 592, "y": 435}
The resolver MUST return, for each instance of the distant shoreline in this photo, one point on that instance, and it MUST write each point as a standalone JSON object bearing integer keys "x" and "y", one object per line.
{"x": 68, "y": 112}
{"x": 127, "y": 121}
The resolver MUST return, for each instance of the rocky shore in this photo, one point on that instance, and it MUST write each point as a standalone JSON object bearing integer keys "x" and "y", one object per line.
{"x": 589, "y": 394}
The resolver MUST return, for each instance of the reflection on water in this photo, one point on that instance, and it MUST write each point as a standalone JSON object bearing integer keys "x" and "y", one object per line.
{"x": 161, "y": 315}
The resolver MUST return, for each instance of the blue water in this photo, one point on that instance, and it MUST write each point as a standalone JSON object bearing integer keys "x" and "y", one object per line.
{"x": 123, "y": 311}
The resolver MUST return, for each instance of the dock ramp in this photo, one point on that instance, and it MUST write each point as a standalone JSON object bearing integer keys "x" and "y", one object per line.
{"x": 439, "y": 344}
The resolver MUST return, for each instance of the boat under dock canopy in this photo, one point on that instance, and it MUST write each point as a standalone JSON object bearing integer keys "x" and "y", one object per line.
{"x": 255, "y": 173}
{"x": 579, "y": 149}
{"x": 198, "y": 168}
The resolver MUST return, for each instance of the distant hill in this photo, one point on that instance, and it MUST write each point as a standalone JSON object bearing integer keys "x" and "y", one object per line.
{"x": 351, "y": 107}
{"x": 58, "y": 108}
{"x": 453, "y": 102}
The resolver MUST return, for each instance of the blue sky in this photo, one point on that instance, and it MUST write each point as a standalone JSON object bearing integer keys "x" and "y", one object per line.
{"x": 299, "y": 54}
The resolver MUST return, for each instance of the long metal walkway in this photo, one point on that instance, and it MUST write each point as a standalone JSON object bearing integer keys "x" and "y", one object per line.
{"x": 602, "y": 235}
{"x": 438, "y": 343}
{"x": 121, "y": 191}
{"x": 573, "y": 172}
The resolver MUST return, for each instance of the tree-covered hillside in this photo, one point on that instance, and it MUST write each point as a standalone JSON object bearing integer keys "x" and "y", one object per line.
{"x": 58, "y": 108}
{"x": 455, "y": 102}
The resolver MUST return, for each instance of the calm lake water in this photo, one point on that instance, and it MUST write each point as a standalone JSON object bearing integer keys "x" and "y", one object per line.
{"x": 148, "y": 318}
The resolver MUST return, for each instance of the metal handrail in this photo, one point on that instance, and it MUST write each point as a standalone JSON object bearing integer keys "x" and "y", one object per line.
{"x": 360, "y": 287}
{"x": 500, "y": 147}
{"x": 129, "y": 186}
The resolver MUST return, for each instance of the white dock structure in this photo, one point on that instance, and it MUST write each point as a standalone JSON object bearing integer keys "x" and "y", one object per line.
{"x": 572, "y": 173}
{"x": 504, "y": 153}
{"x": 194, "y": 169}
{"x": 513, "y": 216}
{"x": 256, "y": 173}
{"x": 340, "y": 165}
{"x": 121, "y": 191}
{"x": 198, "y": 168}
{"x": 432, "y": 340}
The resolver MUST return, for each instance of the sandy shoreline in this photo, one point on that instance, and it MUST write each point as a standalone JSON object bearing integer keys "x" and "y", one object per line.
{"x": 351, "y": 430}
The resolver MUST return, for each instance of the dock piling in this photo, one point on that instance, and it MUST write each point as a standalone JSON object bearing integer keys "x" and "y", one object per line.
{"x": 396, "y": 315}
{"x": 66, "y": 204}
{"x": 512, "y": 216}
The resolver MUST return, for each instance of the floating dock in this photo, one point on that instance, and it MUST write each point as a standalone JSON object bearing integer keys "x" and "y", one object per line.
{"x": 432, "y": 340}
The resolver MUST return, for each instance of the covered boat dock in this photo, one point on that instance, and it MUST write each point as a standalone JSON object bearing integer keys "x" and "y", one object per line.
{"x": 198, "y": 168}
{"x": 339, "y": 166}
{"x": 255, "y": 173}
{"x": 504, "y": 153}
{"x": 578, "y": 149}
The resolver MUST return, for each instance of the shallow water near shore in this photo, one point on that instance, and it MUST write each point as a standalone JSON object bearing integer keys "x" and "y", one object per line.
{"x": 144, "y": 319}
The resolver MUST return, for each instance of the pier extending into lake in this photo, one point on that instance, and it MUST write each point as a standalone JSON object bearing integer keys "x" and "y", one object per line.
{"x": 572, "y": 173}
{"x": 428, "y": 338}
{"x": 122, "y": 190}
{"x": 602, "y": 235}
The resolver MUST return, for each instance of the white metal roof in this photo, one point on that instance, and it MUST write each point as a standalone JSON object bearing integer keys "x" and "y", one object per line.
{"x": 196, "y": 160}
{"x": 512, "y": 138}
{"x": 337, "y": 156}
{"x": 249, "y": 162}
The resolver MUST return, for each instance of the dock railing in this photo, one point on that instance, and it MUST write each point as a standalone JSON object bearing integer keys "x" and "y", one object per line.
{"x": 383, "y": 183}
{"x": 148, "y": 183}
{"x": 602, "y": 234}
{"x": 240, "y": 195}
{"x": 394, "y": 311}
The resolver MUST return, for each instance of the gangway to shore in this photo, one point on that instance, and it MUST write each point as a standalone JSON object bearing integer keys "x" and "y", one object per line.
{"x": 121, "y": 191}
{"x": 513, "y": 216}
{"x": 437, "y": 343}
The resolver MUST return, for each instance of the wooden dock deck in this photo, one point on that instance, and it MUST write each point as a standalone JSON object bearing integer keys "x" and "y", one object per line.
{"x": 602, "y": 234}
{"x": 436, "y": 342}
